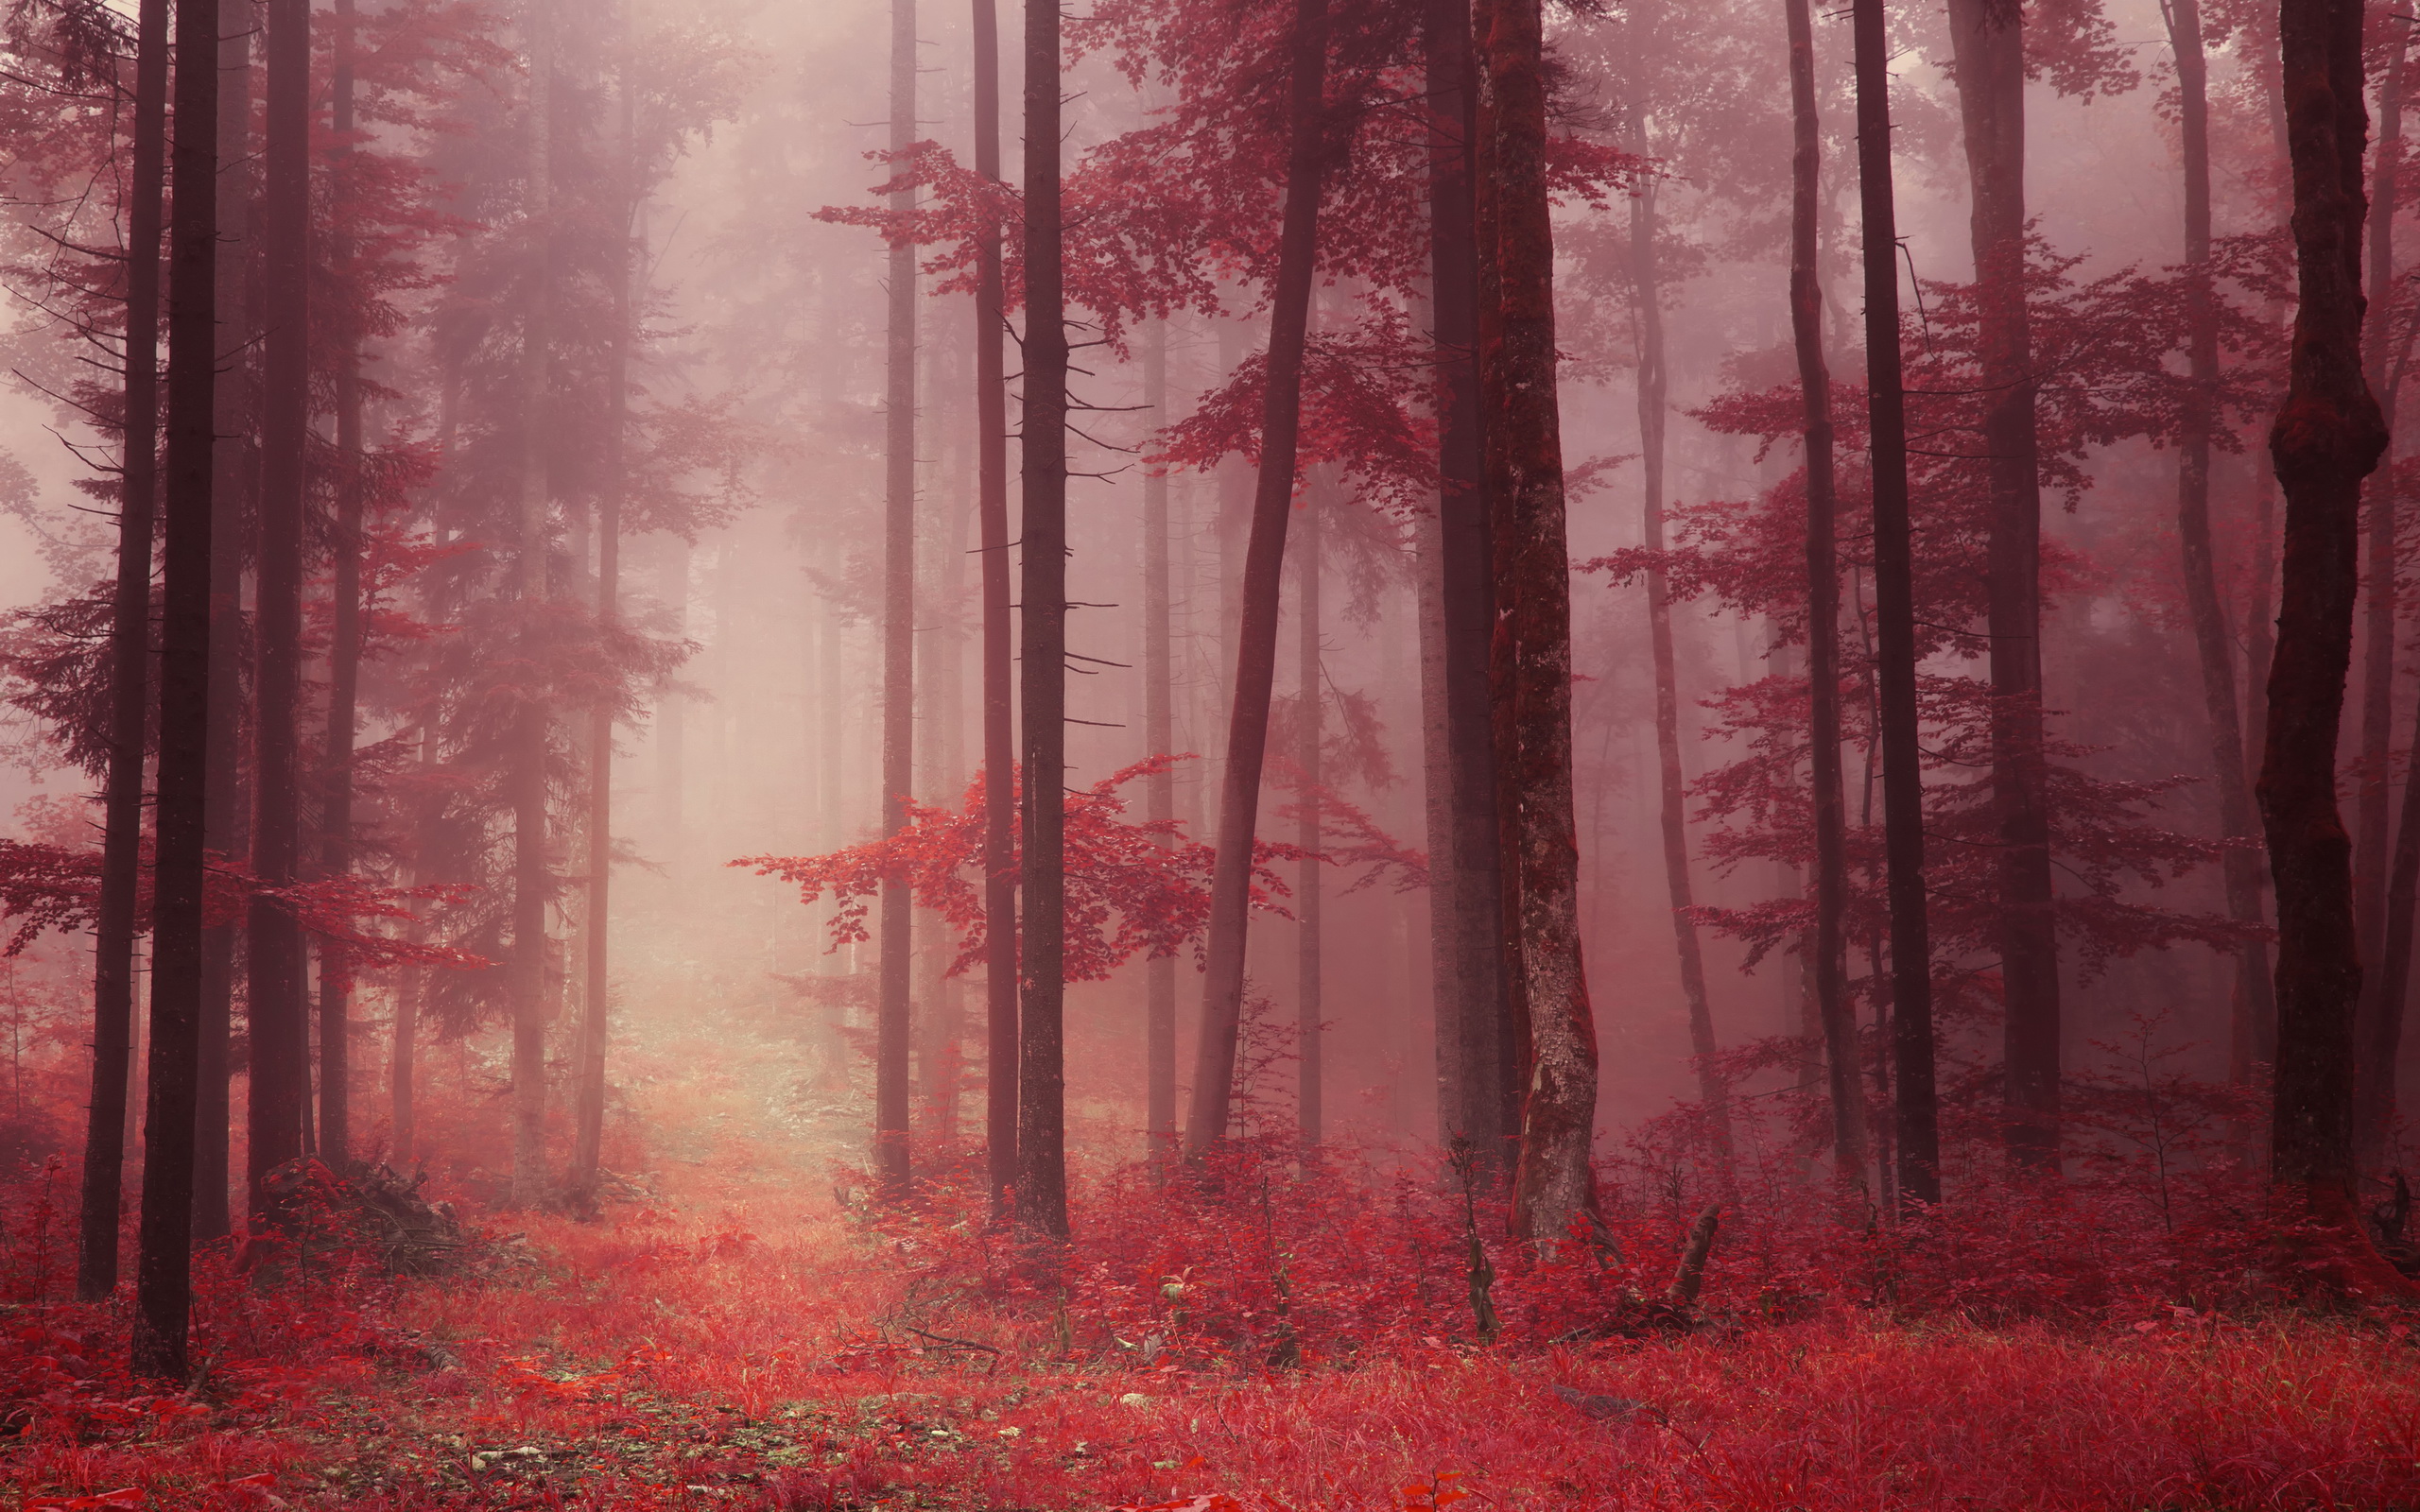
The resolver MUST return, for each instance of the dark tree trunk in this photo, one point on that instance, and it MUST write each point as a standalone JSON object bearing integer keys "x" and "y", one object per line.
{"x": 1917, "y": 1126}
{"x": 999, "y": 734}
{"x": 2326, "y": 438}
{"x": 596, "y": 1026}
{"x": 1041, "y": 1114}
{"x": 227, "y": 819}
{"x": 532, "y": 879}
{"x": 1647, "y": 310}
{"x": 1989, "y": 43}
{"x": 1828, "y": 962}
{"x": 1479, "y": 1081}
{"x": 164, "y": 1265}
{"x": 2212, "y": 636}
{"x": 274, "y": 988}
{"x": 2378, "y": 1019}
{"x": 1159, "y": 739}
{"x": 1554, "y": 1185}
{"x": 344, "y": 662}
{"x": 898, "y": 640}
{"x": 1308, "y": 1113}
{"x": 1222, "y": 992}
{"x": 130, "y": 674}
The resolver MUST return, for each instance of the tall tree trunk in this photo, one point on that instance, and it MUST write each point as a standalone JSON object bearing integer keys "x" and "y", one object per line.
{"x": 1648, "y": 311}
{"x": 274, "y": 988}
{"x": 2378, "y": 1019}
{"x": 130, "y": 673}
{"x": 1308, "y": 1113}
{"x": 1554, "y": 1185}
{"x": 1828, "y": 962}
{"x": 1041, "y": 1115}
{"x": 1159, "y": 739}
{"x": 2326, "y": 438}
{"x": 999, "y": 734}
{"x": 1223, "y": 990}
{"x": 2212, "y": 636}
{"x": 896, "y": 926}
{"x": 1988, "y": 38}
{"x": 163, "y": 1264}
{"x": 227, "y": 819}
{"x": 595, "y": 1030}
{"x": 532, "y": 879}
{"x": 1916, "y": 1134}
{"x": 344, "y": 657}
{"x": 1479, "y": 1076}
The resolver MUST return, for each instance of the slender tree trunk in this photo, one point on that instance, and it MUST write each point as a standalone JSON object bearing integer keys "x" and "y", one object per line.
{"x": 2378, "y": 1019}
{"x": 2212, "y": 636}
{"x": 1554, "y": 1186}
{"x": 344, "y": 659}
{"x": 1478, "y": 1074}
{"x": 1828, "y": 963}
{"x": 275, "y": 986}
{"x": 1989, "y": 43}
{"x": 999, "y": 734}
{"x": 1223, "y": 993}
{"x": 164, "y": 1265}
{"x": 595, "y": 1030}
{"x": 898, "y": 639}
{"x": 1159, "y": 739}
{"x": 1917, "y": 1134}
{"x": 1308, "y": 1112}
{"x": 532, "y": 879}
{"x": 1041, "y": 1116}
{"x": 1647, "y": 310}
{"x": 130, "y": 674}
{"x": 2326, "y": 438}
{"x": 227, "y": 819}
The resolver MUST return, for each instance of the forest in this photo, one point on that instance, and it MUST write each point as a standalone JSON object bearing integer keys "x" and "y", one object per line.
{"x": 1208, "y": 755}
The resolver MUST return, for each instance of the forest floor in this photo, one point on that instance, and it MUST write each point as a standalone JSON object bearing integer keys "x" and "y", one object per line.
{"x": 746, "y": 1337}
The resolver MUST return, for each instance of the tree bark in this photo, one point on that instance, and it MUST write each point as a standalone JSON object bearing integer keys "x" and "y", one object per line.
{"x": 1309, "y": 1115}
{"x": 1159, "y": 739}
{"x": 1647, "y": 310}
{"x": 1828, "y": 964}
{"x": 163, "y": 1267}
{"x": 2213, "y": 638}
{"x": 1554, "y": 1185}
{"x": 2378, "y": 1017}
{"x": 898, "y": 639}
{"x": 532, "y": 879}
{"x": 227, "y": 819}
{"x": 1041, "y": 1116}
{"x": 1222, "y": 992}
{"x": 2326, "y": 438}
{"x": 130, "y": 674}
{"x": 1989, "y": 44}
{"x": 280, "y": 1104}
{"x": 1916, "y": 1132}
{"x": 1000, "y": 735}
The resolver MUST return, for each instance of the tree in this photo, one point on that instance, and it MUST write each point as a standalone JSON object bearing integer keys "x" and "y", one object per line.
{"x": 129, "y": 671}
{"x": 1159, "y": 738}
{"x": 1223, "y": 993}
{"x": 1554, "y": 1186}
{"x": 1917, "y": 1126}
{"x": 280, "y": 1102}
{"x": 898, "y": 629}
{"x": 532, "y": 879}
{"x": 164, "y": 1280}
{"x": 2327, "y": 436}
{"x": 1828, "y": 941}
{"x": 1041, "y": 1152}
